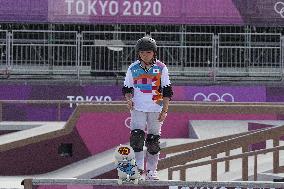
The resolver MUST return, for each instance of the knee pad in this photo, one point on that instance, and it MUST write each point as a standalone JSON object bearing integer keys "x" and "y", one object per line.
{"x": 153, "y": 144}
{"x": 137, "y": 138}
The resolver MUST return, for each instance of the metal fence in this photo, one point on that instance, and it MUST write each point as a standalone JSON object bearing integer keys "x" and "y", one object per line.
{"x": 3, "y": 50}
{"x": 107, "y": 53}
{"x": 44, "y": 52}
{"x": 102, "y": 53}
{"x": 249, "y": 54}
{"x": 186, "y": 53}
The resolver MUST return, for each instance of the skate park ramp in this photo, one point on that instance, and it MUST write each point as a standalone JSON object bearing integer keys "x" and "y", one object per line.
{"x": 103, "y": 162}
{"x": 86, "y": 168}
{"x": 203, "y": 129}
{"x": 23, "y": 125}
{"x": 90, "y": 167}
{"x": 72, "y": 122}
{"x": 27, "y": 130}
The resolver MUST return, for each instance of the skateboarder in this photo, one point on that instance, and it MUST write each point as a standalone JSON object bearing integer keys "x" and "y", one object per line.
{"x": 147, "y": 90}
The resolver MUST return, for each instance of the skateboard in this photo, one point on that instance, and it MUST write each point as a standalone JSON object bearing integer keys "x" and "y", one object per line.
{"x": 126, "y": 165}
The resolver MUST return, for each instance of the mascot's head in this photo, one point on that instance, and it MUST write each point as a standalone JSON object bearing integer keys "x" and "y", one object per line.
{"x": 124, "y": 152}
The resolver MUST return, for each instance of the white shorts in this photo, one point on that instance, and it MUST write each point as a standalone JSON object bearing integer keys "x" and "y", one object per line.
{"x": 146, "y": 121}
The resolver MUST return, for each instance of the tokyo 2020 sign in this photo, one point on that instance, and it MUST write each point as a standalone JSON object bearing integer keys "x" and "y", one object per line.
{"x": 228, "y": 12}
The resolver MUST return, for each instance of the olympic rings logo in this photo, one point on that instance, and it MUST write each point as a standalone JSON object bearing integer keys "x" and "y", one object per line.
{"x": 279, "y": 8}
{"x": 127, "y": 122}
{"x": 226, "y": 97}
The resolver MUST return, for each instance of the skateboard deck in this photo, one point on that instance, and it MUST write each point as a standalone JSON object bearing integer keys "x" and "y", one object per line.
{"x": 126, "y": 165}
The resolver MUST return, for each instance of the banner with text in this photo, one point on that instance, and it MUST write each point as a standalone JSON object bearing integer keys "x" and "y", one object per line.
{"x": 71, "y": 93}
{"x": 145, "y": 11}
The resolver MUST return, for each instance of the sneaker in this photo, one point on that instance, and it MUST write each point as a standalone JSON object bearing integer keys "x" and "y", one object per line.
{"x": 141, "y": 171}
{"x": 151, "y": 175}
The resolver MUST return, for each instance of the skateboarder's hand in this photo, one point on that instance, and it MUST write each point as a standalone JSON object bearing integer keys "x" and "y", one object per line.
{"x": 130, "y": 104}
{"x": 162, "y": 116}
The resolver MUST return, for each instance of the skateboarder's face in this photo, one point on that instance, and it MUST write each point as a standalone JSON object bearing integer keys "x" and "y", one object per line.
{"x": 147, "y": 56}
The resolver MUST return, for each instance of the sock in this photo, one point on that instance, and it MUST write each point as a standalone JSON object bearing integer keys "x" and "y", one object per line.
{"x": 139, "y": 156}
{"x": 152, "y": 161}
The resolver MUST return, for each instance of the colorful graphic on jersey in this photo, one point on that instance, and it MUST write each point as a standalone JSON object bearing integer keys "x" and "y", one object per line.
{"x": 156, "y": 86}
{"x": 144, "y": 83}
{"x": 149, "y": 82}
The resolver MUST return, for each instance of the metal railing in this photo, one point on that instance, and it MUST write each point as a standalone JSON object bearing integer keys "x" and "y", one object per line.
{"x": 213, "y": 162}
{"x": 31, "y": 183}
{"x": 214, "y": 149}
{"x": 44, "y": 51}
{"x": 111, "y": 52}
{"x": 103, "y": 52}
{"x": 249, "y": 54}
{"x": 3, "y": 49}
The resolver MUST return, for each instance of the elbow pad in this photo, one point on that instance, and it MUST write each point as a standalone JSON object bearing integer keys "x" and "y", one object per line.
{"x": 167, "y": 91}
{"x": 127, "y": 90}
